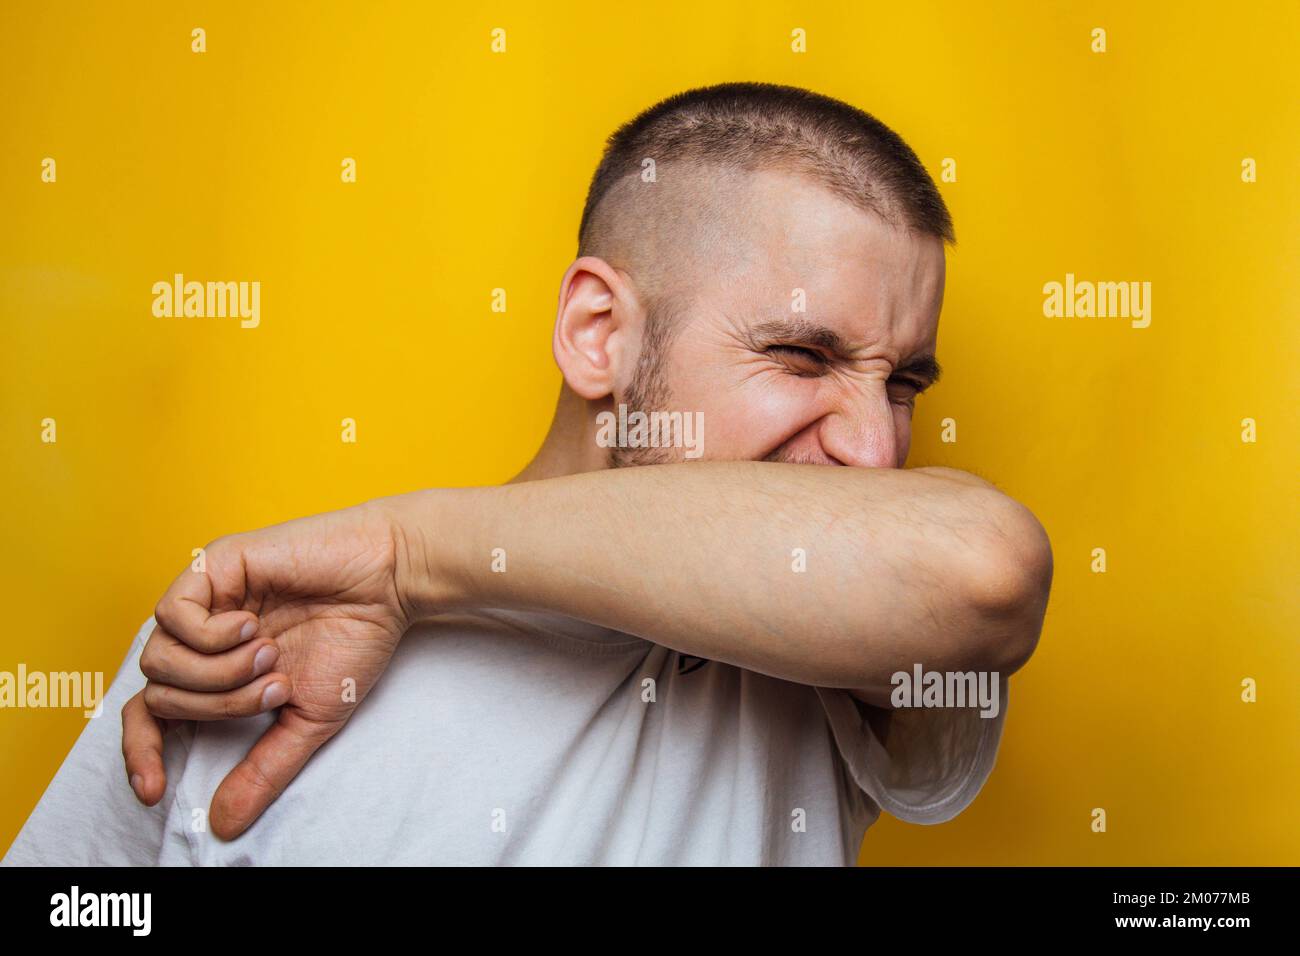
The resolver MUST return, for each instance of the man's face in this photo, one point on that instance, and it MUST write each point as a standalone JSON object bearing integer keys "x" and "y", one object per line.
{"x": 833, "y": 383}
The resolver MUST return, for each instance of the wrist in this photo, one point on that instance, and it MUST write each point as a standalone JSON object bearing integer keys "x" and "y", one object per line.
{"x": 431, "y": 547}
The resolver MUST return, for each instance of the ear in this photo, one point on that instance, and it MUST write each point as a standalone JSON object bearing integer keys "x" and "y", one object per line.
{"x": 596, "y": 328}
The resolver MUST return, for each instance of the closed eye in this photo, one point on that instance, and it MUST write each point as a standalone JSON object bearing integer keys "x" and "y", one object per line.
{"x": 903, "y": 391}
{"x": 916, "y": 386}
{"x": 811, "y": 362}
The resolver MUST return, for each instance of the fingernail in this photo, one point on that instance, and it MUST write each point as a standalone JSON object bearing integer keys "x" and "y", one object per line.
{"x": 265, "y": 660}
{"x": 248, "y": 630}
{"x": 274, "y": 696}
{"x": 137, "y": 782}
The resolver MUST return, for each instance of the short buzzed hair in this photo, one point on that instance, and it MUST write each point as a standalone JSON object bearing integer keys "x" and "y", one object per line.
{"x": 750, "y": 126}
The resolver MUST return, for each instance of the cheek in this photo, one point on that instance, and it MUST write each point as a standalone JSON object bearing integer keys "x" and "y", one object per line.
{"x": 746, "y": 420}
{"x": 903, "y": 432}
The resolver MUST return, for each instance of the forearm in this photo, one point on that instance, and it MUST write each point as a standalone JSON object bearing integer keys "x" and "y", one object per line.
{"x": 902, "y": 566}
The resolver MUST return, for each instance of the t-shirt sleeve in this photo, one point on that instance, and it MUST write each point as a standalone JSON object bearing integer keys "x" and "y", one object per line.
{"x": 89, "y": 815}
{"x": 931, "y": 763}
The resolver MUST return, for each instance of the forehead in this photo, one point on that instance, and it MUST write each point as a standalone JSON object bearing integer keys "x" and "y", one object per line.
{"x": 869, "y": 281}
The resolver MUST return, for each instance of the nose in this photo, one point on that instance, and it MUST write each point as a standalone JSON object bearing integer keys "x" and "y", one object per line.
{"x": 861, "y": 432}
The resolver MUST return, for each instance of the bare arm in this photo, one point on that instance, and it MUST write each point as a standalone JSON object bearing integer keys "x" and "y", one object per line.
{"x": 926, "y": 566}
{"x": 929, "y": 566}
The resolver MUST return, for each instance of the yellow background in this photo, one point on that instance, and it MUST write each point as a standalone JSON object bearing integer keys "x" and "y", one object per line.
{"x": 472, "y": 168}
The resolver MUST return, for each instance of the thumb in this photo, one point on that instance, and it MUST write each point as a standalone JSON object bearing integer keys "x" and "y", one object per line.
{"x": 268, "y": 769}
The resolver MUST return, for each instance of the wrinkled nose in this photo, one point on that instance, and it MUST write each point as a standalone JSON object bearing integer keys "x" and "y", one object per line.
{"x": 862, "y": 433}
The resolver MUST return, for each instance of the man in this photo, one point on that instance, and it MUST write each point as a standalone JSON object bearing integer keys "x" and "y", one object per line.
{"x": 687, "y": 663}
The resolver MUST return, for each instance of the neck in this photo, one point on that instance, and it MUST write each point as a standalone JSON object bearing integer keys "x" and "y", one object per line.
{"x": 570, "y": 446}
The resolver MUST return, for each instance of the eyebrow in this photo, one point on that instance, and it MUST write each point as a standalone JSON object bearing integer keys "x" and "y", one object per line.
{"x": 923, "y": 368}
{"x": 801, "y": 332}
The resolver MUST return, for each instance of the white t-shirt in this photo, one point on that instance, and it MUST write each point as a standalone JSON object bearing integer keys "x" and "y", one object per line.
{"x": 528, "y": 739}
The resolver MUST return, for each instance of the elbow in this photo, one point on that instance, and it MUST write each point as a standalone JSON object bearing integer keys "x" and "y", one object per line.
{"x": 1009, "y": 584}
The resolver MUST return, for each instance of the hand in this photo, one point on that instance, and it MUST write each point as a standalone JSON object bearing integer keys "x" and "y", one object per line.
{"x": 283, "y": 617}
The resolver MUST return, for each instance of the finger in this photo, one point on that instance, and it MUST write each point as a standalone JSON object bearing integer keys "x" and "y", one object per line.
{"x": 142, "y": 735}
{"x": 264, "y": 774}
{"x": 172, "y": 662}
{"x": 185, "y": 613}
{"x": 264, "y": 693}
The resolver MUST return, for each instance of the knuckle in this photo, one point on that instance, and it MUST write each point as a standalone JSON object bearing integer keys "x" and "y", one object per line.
{"x": 150, "y": 663}
{"x": 156, "y": 699}
{"x": 222, "y": 547}
{"x": 258, "y": 780}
